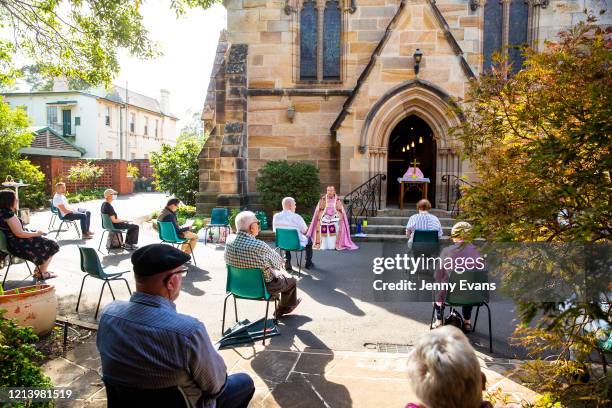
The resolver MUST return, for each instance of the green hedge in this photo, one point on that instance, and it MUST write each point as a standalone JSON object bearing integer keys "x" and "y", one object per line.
{"x": 279, "y": 179}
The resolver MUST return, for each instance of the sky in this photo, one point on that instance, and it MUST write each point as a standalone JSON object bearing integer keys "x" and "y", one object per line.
{"x": 188, "y": 44}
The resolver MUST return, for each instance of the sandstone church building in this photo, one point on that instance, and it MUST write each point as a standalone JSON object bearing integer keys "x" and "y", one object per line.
{"x": 335, "y": 83}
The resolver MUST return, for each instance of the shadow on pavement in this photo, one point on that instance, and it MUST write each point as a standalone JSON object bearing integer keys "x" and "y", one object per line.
{"x": 296, "y": 379}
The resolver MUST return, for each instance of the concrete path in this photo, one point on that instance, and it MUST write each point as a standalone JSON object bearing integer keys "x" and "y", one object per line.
{"x": 295, "y": 378}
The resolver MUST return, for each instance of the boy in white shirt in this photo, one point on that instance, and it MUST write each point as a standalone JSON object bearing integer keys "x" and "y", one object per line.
{"x": 61, "y": 203}
{"x": 290, "y": 220}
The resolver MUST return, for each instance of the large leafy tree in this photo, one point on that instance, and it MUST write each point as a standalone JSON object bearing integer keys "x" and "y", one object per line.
{"x": 540, "y": 142}
{"x": 78, "y": 38}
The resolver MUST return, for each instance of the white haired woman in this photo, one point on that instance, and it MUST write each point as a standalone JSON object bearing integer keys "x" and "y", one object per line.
{"x": 444, "y": 372}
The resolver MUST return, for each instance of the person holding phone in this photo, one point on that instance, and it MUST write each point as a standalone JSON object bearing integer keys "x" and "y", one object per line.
{"x": 132, "y": 230}
{"x": 22, "y": 243}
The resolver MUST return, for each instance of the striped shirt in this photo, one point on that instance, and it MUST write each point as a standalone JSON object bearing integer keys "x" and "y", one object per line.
{"x": 145, "y": 343}
{"x": 423, "y": 221}
{"x": 245, "y": 251}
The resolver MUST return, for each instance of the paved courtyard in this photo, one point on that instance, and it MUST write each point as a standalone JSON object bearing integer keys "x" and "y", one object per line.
{"x": 333, "y": 351}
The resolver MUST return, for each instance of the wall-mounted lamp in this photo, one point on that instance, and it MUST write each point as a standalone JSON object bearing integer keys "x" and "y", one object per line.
{"x": 418, "y": 56}
{"x": 290, "y": 113}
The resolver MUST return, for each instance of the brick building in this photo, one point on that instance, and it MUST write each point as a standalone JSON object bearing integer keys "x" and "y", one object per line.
{"x": 334, "y": 82}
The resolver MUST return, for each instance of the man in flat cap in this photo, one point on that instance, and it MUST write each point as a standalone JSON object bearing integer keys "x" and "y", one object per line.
{"x": 245, "y": 251}
{"x": 146, "y": 344}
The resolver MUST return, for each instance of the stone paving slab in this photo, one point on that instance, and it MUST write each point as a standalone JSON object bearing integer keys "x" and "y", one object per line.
{"x": 290, "y": 378}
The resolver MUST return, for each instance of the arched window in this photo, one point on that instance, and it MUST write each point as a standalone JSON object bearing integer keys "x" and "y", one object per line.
{"x": 331, "y": 40}
{"x": 309, "y": 17}
{"x": 517, "y": 32}
{"x": 505, "y": 29}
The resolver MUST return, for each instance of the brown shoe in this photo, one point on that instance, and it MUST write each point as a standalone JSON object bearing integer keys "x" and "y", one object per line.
{"x": 281, "y": 311}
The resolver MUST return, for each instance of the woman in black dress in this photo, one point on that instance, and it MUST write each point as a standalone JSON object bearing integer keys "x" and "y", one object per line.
{"x": 24, "y": 244}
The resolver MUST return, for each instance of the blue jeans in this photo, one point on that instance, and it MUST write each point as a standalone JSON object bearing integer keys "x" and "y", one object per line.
{"x": 238, "y": 391}
{"x": 83, "y": 217}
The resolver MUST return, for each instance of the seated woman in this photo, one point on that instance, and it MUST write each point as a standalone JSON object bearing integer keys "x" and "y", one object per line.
{"x": 444, "y": 372}
{"x": 131, "y": 236}
{"x": 168, "y": 214}
{"x": 27, "y": 245}
{"x": 461, "y": 248}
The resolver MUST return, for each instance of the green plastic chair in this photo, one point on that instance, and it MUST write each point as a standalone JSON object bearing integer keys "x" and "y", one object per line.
{"x": 64, "y": 221}
{"x": 247, "y": 284}
{"x": 476, "y": 298}
{"x": 167, "y": 234}
{"x": 54, "y": 216}
{"x": 289, "y": 240}
{"x": 108, "y": 226}
{"x": 219, "y": 219}
{"x": 425, "y": 242}
{"x": 90, "y": 264}
{"x": 4, "y": 248}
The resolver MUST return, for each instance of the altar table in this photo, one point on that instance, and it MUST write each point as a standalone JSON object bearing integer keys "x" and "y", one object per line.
{"x": 421, "y": 183}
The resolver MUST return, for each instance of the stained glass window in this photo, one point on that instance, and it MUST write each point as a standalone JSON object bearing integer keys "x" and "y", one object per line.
{"x": 308, "y": 40}
{"x": 493, "y": 24}
{"x": 517, "y": 32}
{"x": 331, "y": 40}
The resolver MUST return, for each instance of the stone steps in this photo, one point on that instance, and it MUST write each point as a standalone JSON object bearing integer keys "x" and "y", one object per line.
{"x": 390, "y": 238}
{"x": 388, "y": 220}
{"x": 394, "y": 229}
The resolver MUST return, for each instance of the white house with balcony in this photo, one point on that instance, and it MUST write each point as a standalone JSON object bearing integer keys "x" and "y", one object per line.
{"x": 114, "y": 123}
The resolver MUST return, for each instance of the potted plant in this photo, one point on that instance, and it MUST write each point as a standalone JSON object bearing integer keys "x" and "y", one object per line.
{"x": 34, "y": 306}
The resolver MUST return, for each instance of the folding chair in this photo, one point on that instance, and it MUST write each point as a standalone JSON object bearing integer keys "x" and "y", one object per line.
{"x": 247, "y": 284}
{"x": 289, "y": 240}
{"x": 4, "y": 248}
{"x": 168, "y": 235}
{"x": 219, "y": 218}
{"x": 476, "y": 298}
{"x": 65, "y": 221}
{"x": 90, "y": 264}
{"x": 108, "y": 226}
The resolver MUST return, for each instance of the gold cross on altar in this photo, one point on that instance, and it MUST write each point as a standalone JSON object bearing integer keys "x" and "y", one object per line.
{"x": 414, "y": 167}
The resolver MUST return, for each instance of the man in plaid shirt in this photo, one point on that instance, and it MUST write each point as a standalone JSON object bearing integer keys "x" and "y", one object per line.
{"x": 245, "y": 251}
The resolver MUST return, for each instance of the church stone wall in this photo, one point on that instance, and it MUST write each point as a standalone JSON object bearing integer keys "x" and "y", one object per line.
{"x": 448, "y": 32}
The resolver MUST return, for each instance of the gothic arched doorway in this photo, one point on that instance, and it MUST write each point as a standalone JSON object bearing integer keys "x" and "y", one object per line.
{"x": 411, "y": 139}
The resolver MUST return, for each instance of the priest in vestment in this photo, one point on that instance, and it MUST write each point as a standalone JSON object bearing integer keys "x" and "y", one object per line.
{"x": 329, "y": 228}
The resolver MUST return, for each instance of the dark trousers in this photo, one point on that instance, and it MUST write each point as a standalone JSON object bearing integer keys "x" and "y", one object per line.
{"x": 239, "y": 390}
{"x": 131, "y": 235}
{"x": 286, "y": 286}
{"x": 82, "y": 216}
{"x": 308, "y": 252}
{"x": 466, "y": 311}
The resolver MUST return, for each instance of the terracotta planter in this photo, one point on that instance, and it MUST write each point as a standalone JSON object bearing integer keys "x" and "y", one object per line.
{"x": 37, "y": 308}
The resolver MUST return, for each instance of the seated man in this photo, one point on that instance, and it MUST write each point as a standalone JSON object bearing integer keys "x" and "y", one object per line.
{"x": 131, "y": 236}
{"x": 61, "y": 203}
{"x": 168, "y": 214}
{"x": 423, "y": 221}
{"x": 145, "y": 344}
{"x": 290, "y": 220}
{"x": 244, "y": 251}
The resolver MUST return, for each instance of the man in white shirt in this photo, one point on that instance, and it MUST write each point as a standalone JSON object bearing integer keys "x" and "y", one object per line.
{"x": 61, "y": 203}
{"x": 423, "y": 221}
{"x": 290, "y": 220}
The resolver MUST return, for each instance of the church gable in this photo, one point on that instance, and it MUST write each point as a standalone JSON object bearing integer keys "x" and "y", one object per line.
{"x": 443, "y": 64}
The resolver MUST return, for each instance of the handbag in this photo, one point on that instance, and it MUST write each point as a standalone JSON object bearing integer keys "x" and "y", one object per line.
{"x": 455, "y": 319}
